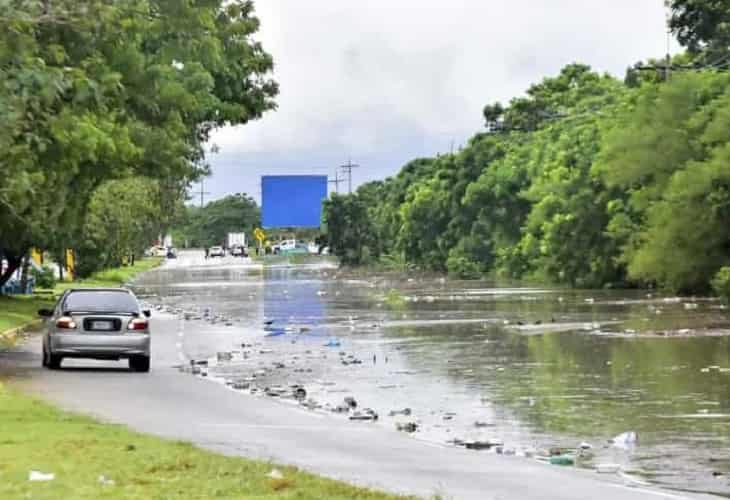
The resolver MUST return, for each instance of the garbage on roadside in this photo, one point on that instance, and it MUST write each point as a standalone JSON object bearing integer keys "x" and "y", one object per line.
{"x": 224, "y": 356}
{"x": 405, "y": 412}
{"x": 299, "y": 393}
{"x": 275, "y": 474}
{"x": 483, "y": 445}
{"x": 625, "y": 439}
{"x": 105, "y": 481}
{"x": 409, "y": 427}
{"x": 36, "y": 475}
{"x": 365, "y": 414}
{"x": 562, "y": 460}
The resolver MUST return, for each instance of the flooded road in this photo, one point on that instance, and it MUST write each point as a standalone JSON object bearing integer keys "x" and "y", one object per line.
{"x": 525, "y": 371}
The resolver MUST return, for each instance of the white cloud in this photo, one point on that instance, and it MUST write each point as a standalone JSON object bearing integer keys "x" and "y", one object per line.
{"x": 394, "y": 79}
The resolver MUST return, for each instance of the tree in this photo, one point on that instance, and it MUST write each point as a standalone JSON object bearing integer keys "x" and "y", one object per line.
{"x": 210, "y": 225}
{"x": 121, "y": 223}
{"x": 701, "y": 25}
{"x": 668, "y": 154}
{"x": 347, "y": 228}
{"x": 98, "y": 90}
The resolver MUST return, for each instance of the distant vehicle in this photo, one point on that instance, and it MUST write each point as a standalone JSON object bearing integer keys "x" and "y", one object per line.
{"x": 157, "y": 251}
{"x": 97, "y": 323}
{"x": 238, "y": 251}
{"x": 236, "y": 239}
{"x": 217, "y": 251}
{"x": 284, "y": 246}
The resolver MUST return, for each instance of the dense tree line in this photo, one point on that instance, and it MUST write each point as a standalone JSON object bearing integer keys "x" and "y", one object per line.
{"x": 586, "y": 180}
{"x": 210, "y": 224}
{"x": 105, "y": 102}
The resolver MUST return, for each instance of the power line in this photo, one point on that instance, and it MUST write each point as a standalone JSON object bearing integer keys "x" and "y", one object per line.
{"x": 348, "y": 168}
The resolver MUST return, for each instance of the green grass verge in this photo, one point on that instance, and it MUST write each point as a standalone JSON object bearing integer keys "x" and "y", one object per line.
{"x": 112, "y": 277}
{"x": 36, "y": 436}
{"x": 18, "y": 310}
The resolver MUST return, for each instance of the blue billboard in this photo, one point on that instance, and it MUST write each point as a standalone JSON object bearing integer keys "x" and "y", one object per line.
{"x": 292, "y": 200}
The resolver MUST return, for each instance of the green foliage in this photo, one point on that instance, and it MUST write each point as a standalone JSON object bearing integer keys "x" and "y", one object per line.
{"x": 210, "y": 225}
{"x": 701, "y": 25}
{"x": 121, "y": 222}
{"x": 721, "y": 283}
{"x": 670, "y": 154}
{"x": 96, "y": 91}
{"x": 587, "y": 181}
{"x": 348, "y": 229}
{"x": 44, "y": 277}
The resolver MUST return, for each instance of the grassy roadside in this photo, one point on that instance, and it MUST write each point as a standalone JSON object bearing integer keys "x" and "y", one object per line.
{"x": 78, "y": 450}
{"x": 18, "y": 310}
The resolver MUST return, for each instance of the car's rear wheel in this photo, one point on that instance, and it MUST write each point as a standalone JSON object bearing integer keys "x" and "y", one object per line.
{"x": 139, "y": 363}
{"x": 54, "y": 361}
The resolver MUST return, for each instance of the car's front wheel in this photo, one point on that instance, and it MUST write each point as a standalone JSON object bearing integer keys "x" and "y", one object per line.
{"x": 139, "y": 363}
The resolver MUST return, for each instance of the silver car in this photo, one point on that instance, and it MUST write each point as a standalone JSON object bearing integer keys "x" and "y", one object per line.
{"x": 97, "y": 323}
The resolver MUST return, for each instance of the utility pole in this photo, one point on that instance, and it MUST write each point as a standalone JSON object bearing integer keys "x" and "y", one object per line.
{"x": 336, "y": 181}
{"x": 202, "y": 193}
{"x": 348, "y": 168}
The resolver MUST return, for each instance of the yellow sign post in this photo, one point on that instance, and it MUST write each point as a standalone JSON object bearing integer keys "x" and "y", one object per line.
{"x": 259, "y": 234}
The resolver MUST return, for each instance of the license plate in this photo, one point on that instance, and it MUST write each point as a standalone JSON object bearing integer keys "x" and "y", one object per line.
{"x": 102, "y": 325}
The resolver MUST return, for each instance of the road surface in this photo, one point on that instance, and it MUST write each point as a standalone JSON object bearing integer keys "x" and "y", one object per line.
{"x": 168, "y": 403}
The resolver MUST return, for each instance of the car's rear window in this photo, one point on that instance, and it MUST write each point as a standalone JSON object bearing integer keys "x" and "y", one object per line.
{"x": 101, "y": 301}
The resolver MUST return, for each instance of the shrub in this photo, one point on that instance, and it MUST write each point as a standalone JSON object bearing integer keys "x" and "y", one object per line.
{"x": 44, "y": 277}
{"x": 721, "y": 283}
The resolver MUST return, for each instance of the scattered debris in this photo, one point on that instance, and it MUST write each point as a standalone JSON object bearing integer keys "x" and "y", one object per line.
{"x": 224, "y": 356}
{"x": 482, "y": 445}
{"x": 275, "y": 474}
{"x": 625, "y": 439}
{"x": 405, "y": 412}
{"x": 105, "y": 481}
{"x": 299, "y": 393}
{"x": 350, "y": 402}
{"x": 409, "y": 427}
{"x": 366, "y": 414}
{"x": 562, "y": 460}
{"x": 36, "y": 475}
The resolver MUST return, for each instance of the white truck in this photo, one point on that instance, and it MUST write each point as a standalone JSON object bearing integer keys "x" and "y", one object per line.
{"x": 236, "y": 240}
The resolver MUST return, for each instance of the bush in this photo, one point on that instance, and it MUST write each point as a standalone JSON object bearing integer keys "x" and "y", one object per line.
{"x": 721, "y": 283}
{"x": 44, "y": 277}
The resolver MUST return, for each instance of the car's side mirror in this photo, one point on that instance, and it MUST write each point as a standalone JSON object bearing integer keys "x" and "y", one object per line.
{"x": 45, "y": 313}
{"x": 147, "y": 313}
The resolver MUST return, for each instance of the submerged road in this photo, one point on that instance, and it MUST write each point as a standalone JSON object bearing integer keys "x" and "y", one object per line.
{"x": 168, "y": 403}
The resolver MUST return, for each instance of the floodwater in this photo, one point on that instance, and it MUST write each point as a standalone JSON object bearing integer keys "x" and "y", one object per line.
{"x": 523, "y": 369}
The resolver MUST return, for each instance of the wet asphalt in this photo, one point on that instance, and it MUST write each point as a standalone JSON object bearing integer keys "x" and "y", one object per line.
{"x": 170, "y": 404}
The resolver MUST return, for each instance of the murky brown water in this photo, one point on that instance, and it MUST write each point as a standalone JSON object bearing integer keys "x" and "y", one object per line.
{"x": 531, "y": 368}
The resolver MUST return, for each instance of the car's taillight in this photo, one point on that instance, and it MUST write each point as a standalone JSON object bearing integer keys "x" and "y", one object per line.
{"x": 137, "y": 324}
{"x": 66, "y": 322}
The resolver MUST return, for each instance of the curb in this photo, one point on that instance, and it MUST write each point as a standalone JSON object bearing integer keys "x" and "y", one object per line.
{"x": 10, "y": 337}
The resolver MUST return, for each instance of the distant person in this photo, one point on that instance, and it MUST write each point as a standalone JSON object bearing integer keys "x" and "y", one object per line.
{"x": 206, "y": 252}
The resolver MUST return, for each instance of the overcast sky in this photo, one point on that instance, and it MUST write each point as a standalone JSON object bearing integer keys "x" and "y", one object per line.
{"x": 386, "y": 81}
